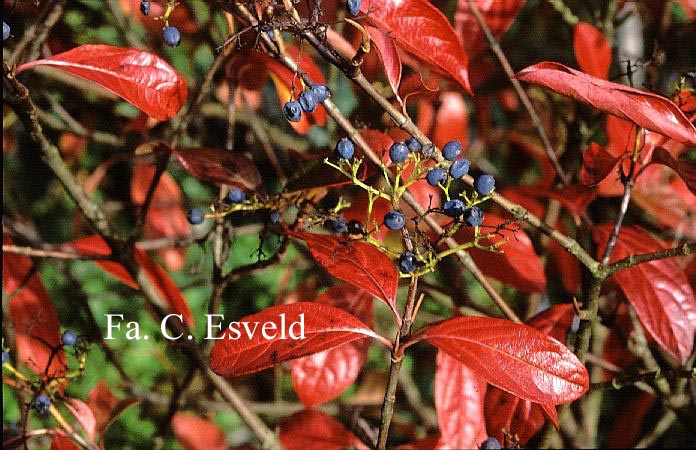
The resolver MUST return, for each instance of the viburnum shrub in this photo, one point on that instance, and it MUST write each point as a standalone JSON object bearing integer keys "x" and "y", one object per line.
{"x": 207, "y": 198}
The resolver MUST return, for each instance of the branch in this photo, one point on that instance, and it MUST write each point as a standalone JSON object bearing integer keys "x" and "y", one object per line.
{"x": 626, "y": 380}
{"x": 41, "y": 253}
{"x": 633, "y": 260}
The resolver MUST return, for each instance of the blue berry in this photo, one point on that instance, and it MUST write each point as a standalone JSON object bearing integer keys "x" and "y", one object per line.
{"x": 354, "y": 7}
{"x": 398, "y": 152}
{"x": 236, "y": 196}
{"x": 275, "y": 216}
{"x": 292, "y": 111}
{"x": 308, "y": 101}
{"x": 69, "y": 338}
{"x": 407, "y": 262}
{"x": 454, "y": 207}
{"x": 5, "y": 357}
{"x": 345, "y": 149}
{"x": 490, "y": 444}
{"x": 355, "y": 227}
{"x": 145, "y": 7}
{"x": 171, "y": 36}
{"x": 337, "y": 226}
{"x": 459, "y": 168}
{"x": 320, "y": 91}
{"x": 436, "y": 176}
{"x": 414, "y": 144}
{"x": 195, "y": 216}
{"x": 42, "y": 404}
{"x": 473, "y": 216}
{"x": 394, "y": 220}
{"x": 484, "y": 184}
{"x": 451, "y": 150}
{"x": 5, "y": 31}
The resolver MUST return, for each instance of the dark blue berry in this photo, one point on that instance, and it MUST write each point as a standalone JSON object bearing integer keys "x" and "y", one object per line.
{"x": 345, "y": 149}
{"x": 145, "y": 7}
{"x": 451, "y": 150}
{"x": 394, "y": 220}
{"x": 42, "y": 404}
{"x": 398, "y": 152}
{"x": 354, "y": 7}
{"x": 69, "y": 338}
{"x": 320, "y": 91}
{"x": 355, "y": 227}
{"x": 484, "y": 184}
{"x": 308, "y": 101}
{"x": 275, "y": 216}
{"x": 5, "y": 31}
{"x": 292, "y": 111}
{"x": 473, "y": 216}
{"x": 5, "y": 357}
{"x": 459, "y": 168}
{"x": 407, "y": 262}
{"x": 454, "y": 207}
{"x": 236, "y": 196}
{"x": 195, "y": 216}
{"x": 414, "y": 144}
{"x": 436, "y": 176}
{"x": 171, "y": 36}
{"x": 490, "y": 444}
{"x": 337, "y": 226}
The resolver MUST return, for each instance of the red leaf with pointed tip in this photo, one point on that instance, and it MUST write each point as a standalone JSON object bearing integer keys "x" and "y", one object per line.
{"x": 60, "y": 442}
{"x": 32, "y": 315}
{"x": 220, "y": 166}
{"x": 459, "y": 404}
{"x": 322, "y": 377}
{"x": 84, "y": 415}
{"x": 197, "y": 433}
{"x": 518, "y": 265}
{"x": 592, "y": 51}
{"x": 422, "y": 30}
{"x": 96, "y": 246}
{"x": 497, "y": 14}
{"x": 105, "y": 406}
{"x": 356, "y": 262}
{"x": 515, "y": 358}
{"x": 313, "y": 430}
{"x": 141, "y": 78}
{"x": 659, "y": 291}
{"x": 647, "y": 110}
{"x": 597, "y": 164}
{"x": 451, "y": 120}
{"x": 389, "y": 55}
{"x": 325, "y": 327}
{"x": 685, "y": 169}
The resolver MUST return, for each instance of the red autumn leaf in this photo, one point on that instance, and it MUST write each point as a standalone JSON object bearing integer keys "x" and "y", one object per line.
{"x": 659, "y": 291}
{"x": 451, "y": 120}
{"x": 314, "y": 430}
{"x": 597, "y": 164}
{"x": 220, "y": 166}
{"x": 389, "y": 55}
{"x": 518, "y": 265}
{"x": 592, "y": 51}
{"x": 628, "y": 427}
{"x": 32, "y": 315}
{"x": 141, "y": 78}
{"x": 564, "y": 264}
{"x": 96, "y": 246}
{"x": 84, "y": 415}
{"x": 325, "y": 327}
{"x": 685, "y": 169}
{"x": 105, "y": 406}
{"x": 322, "y": 377}
{"x": 197, "y": 433}
{"x": 60, "y": 442}
{"x": 515, "y": 358}
{"x": 459, "y": 404}
{"x": 422, "y": 30}
{"x": 356, "y": 262}
{"x": 575, "y": 198}
{"x": 645, "y": 109}
{"x": 497, "y": 14}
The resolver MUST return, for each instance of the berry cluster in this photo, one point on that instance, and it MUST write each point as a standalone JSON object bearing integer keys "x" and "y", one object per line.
{"x": 308, "y": 101}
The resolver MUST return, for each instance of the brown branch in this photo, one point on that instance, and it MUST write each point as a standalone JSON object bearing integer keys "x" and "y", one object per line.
{"x": 626, "y": 380}
{"x": 37, "y": 33}
{"x": 41, "y": 253}
{"x": 633, "y": 260}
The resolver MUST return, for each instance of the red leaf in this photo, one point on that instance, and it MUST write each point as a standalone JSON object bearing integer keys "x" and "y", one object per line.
{"x": 685, "y": 169}
{"x": 389, "y": 55}
{"x": 554, "y": 321}
{"x": 518, "y": 265}
{"x": 84, "y": 415}
{"x": 575, "y": 198}
{"x": 516, "y": 358}
{"x": 325, "y": 327}
{"x": 96, "y": 246}
{"x": 197, "y": 433}
{"x": 313, "y": 430}
{"x": 647, "y": 110}
{"x": 141, "y": 78}
{"x": 592, "y": 51}
{"x": 422, "y": 30}
{"x": 105, "y": 406}
{"x": 459, "y": 404}
{"x": 63, "y": 443}
{"x": 658, "y": 290}
{"x": 597, "y": 164}
{"x": 628, "y": 427}
{"x": 497, "y": 14}
{"x": 220, "y": 166}
{"x": 358, "y": 263}
{"x": 451, "y": 120}
{"x": 32, "y": 315}
{"x": 322, "y": 377}
{"x": 667, "y": 201}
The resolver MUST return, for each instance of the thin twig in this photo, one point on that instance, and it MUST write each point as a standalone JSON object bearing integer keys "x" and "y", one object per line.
{"x": 41, "y": 253}
{"x": 626, "y": 380}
